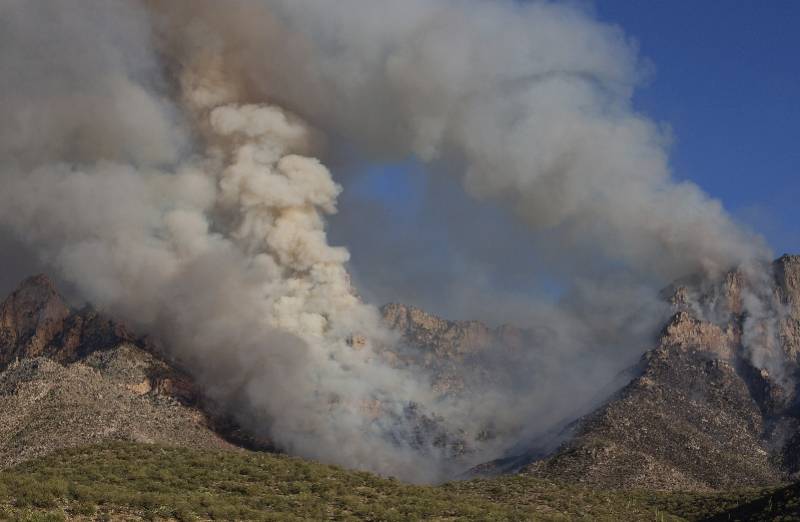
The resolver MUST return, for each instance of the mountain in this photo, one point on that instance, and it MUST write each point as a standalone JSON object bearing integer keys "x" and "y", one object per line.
{"x": 696, "y": 412}
{"x": 699, "y": 414}
{"x": 73, "y": 377}
{"x": 453, "y": 351}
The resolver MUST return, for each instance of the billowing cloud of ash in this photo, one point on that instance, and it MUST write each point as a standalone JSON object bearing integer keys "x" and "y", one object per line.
{"x": 160, "y": 158}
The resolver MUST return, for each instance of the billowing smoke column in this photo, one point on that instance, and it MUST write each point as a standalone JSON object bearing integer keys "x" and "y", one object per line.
{"x": 156, "y": 156}
{"x": 532, "y": 100}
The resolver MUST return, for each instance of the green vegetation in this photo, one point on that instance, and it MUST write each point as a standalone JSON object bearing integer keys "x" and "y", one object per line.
{"x": 129, "y": 482}
{"x": 782, "y": 504}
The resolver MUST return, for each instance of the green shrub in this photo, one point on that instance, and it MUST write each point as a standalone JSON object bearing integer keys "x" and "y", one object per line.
{"x": 121, "y": 480}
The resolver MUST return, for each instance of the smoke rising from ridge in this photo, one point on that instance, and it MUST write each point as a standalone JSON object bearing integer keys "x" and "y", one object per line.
{"x": 160, "y": 157}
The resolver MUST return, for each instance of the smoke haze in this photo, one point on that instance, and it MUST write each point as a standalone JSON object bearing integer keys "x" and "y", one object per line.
{"x": 166, "y": 161}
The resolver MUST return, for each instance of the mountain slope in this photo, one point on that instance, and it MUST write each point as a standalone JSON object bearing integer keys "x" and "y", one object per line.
{"x": 699, "y": 415}
{"x": 453, "y": 351}
{"x": 70, "y": 378}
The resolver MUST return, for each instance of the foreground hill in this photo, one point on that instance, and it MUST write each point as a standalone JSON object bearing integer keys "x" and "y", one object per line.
{"x": 134, "y": 481}
{"x": 775, "y": 504}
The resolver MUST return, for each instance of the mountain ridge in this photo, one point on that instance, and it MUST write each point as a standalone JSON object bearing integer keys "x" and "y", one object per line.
{"x": 700, "y": 415}
{"x": 696, "y": 413}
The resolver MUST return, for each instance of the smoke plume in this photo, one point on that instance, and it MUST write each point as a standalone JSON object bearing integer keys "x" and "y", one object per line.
{"x": 162, "y": 159}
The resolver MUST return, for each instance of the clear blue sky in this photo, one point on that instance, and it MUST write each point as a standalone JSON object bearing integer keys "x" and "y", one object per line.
{"x": 727, "y": 80}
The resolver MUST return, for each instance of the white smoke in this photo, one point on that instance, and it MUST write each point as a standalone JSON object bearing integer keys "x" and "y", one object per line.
{"x": 157, "y": 156}
{"x": 533, "y": 99}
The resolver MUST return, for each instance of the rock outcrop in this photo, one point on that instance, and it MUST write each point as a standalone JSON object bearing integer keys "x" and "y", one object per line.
{"x": 453, "y": 351}
{"x": 70, "y": 378}
{"x": 787, "y": 277}
{"x": 30, "y": 320}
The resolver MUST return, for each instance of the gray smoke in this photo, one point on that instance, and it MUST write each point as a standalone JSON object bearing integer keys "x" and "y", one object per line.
{"x": 159, "y": 157}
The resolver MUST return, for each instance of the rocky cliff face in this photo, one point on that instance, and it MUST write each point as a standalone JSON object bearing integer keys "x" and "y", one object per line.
{"x": 34, "y": 321}
{"x": 70, "y": 378}
{"x": 700, "y": 414}
{"x": 453, "y": 351}
{"x": 787, "y": 276}
{"x": 447, "y": 339}
{"x": 30, "y": 319}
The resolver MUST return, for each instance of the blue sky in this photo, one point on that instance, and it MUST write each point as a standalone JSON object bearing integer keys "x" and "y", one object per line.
{"x": 727, "y": 80}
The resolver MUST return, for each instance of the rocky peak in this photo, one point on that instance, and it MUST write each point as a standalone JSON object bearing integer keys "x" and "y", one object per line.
{"x": 456, "y": 353}
{"x": 701, "y": 413}
{"x": 686, "y": 332}
{"x": 72, "y": 377}
{"x": 449, "y": 338}
{"x": 30, "y": 318}
{"x": 35, "y": 321}
{"x": 87, "y": 331}
{"x": 402, "y": 318}
{"x": 719, "y": 299}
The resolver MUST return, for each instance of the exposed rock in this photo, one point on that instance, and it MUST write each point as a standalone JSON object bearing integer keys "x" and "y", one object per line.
{"x": 443, "y": 339}
{"x": 70, "y": 378}
{"x": 30, "y": 318}
{"x": 453, "y": 351}
{"x": 787, "y": 277}
{"x": 45, "y": 405}
{"x": 688, "y": 421}
{"x": 699, "y": 415}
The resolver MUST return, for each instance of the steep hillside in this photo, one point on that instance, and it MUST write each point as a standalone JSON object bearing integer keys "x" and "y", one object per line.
{"x": 74, "y": 377}
{"x": 699, "y": 415}
{"x": 71, "y": 377}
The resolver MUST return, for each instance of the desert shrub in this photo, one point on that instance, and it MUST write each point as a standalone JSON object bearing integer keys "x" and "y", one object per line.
{"x": 122, "y": 480}
{"x": 83, "y": 507}
{"x": 183, "y": 512}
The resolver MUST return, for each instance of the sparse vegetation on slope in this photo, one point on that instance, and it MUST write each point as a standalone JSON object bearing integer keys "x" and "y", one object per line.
{"x": 135, "y": 481}
{"x": 123, "y": 481}
{"x": 782, "y": 504}
{"x": 581, "y": 502}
